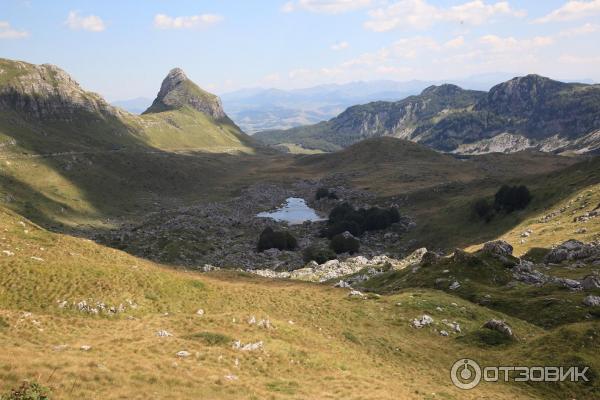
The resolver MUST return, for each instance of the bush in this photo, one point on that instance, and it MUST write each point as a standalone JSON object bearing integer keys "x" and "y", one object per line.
{"x": 281, "y": 240}
{"x": 484, "y": 209}
{"x": 318, "y": 254}
{"x": 344, "y": 244}
{"x": 512, "y": 198}
{"x": 343, "y": 226}
{"x": 28, "y": 391}
{"x": 345, "y": 218}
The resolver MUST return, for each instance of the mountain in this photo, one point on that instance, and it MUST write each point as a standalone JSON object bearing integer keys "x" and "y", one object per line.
{"x": 44, "y": 110}
{"x": 265, "y": 109}
{"x": 524, "y": 112}
{"x": 177, "y": 91}
{"x": 259, "y": 109}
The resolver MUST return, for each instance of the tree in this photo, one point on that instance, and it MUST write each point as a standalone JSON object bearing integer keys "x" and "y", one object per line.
{"x": 512, "y": 198}
{"x": 318, "y": 254}
{"x": 270, "y": 239}
{"x": 344, "y": 243}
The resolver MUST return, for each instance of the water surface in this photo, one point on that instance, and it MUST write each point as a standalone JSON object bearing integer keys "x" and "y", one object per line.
{"x": 295, "y": 211}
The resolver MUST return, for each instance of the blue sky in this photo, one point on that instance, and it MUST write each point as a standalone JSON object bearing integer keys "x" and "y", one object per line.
{"x": 123, "y": 49}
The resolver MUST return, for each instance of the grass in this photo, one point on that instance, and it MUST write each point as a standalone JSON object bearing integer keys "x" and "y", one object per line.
{"x": 339, "y": 347}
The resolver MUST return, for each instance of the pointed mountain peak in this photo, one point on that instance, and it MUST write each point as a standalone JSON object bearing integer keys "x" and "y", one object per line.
{"x": 178, "y": 91}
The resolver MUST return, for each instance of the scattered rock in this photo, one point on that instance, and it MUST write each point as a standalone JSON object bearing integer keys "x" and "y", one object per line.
{"x": 591, "y": 282}
{"x": 85, "y": 347}
{"x": 238, "y": 345}
{"x": 356, "y": 293}
{"x": 592, "y": 301}
{"x": 499, "y": 326}
{"x": 498, "y": 248}
{"x": 183, "y": 354}
{"x": 163, "y": 333}
{"x": 200, "y": 312}
{"x": 422, "y": 321}
{"x": 454, "y": 285}
{"x": 444, "y": 333}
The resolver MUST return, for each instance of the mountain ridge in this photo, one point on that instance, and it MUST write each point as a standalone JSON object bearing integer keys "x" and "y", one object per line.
{"x": 549, "y": 115}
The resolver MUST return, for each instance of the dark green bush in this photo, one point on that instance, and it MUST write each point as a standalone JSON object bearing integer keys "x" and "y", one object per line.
{"x": 318, "y": 254}
{"x": 28, "y": 391}
{"x": 345, "y": 218}
{"x": 344, "y": 244}
{"x": 281, "y": 240}
{"x": 512, "y": 198}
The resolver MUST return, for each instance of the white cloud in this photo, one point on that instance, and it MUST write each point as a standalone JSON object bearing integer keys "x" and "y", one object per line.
{"x": 420, "y": 14}
{"x": 7, "y": 32}
{"x": 340, "y": 46}
{"x": 580, "y": 30}
{"x": 510, "y": 44}
{"x": 455, "y": 43}
{"x": 572, "y": 10}
{"x": 90, "y": 23}
{"x": 162, "y": 21}
{"x": 325, "y": 6}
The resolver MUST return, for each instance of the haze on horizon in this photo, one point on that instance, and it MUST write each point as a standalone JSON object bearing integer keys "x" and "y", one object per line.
{"x": 124, "y": 52}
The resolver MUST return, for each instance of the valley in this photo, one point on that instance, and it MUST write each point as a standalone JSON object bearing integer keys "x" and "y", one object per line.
{"x": 131, "y": 267}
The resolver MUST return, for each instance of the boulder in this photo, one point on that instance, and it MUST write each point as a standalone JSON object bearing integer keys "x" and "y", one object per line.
{"x": 499, "y": 326}
{"x": 592, "y": 301}
{"x": 498, "y": 248}
{"x": 455, "y": 285}
{"x": 591, "y": 282}
{"x": 430, "y": 258}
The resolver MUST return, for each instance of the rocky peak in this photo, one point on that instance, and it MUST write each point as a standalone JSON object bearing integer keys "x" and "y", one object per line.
{"x": 521, "y": 95}
{"x": 442, "y": 90}
{"x": 46, "y": 92}
{"x": 178, "y": 91}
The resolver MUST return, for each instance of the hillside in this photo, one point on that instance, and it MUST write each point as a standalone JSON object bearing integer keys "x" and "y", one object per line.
{"x": 526, "y": 112}
{"x": 318, "y": 342}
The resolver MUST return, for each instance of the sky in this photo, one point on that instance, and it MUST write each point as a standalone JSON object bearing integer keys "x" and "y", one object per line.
{"x": 123, "y": 49}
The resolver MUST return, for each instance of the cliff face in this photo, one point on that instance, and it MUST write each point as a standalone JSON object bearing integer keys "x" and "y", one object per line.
{"x": 178, "y": 91}
{"x": 46, "y": 92}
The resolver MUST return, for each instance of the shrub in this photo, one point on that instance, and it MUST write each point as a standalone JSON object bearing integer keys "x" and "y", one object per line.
{"x": 28, "y": 391}
{"x": 318, "y": 254}
{"x": 344, "y": 244}
{"x": 211, "y": 338}
{"x": 281, "y": 240}
{"x": 512, "y": 198}
{"x": 345, "y": 218}
{"x": 343, "y": 226}
{"x": 484, "y": 209}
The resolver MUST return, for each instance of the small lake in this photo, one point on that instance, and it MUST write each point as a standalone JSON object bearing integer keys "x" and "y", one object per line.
{"x": 295, "y": 211}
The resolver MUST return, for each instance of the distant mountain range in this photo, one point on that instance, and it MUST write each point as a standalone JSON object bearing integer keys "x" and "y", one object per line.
{"x": 259, "y": 109}
{"x": 525, "y": 112}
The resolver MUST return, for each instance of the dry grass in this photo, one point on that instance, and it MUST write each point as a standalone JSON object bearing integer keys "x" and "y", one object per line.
{"x": 336, "y": 347}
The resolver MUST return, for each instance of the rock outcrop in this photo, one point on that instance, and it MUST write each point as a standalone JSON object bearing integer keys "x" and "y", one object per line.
{"x": 178, "y": 91}
{"x": 46, "y": 92}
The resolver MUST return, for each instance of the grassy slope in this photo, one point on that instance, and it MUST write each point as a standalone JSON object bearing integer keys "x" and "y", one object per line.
{"x": 336, "y": 347}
